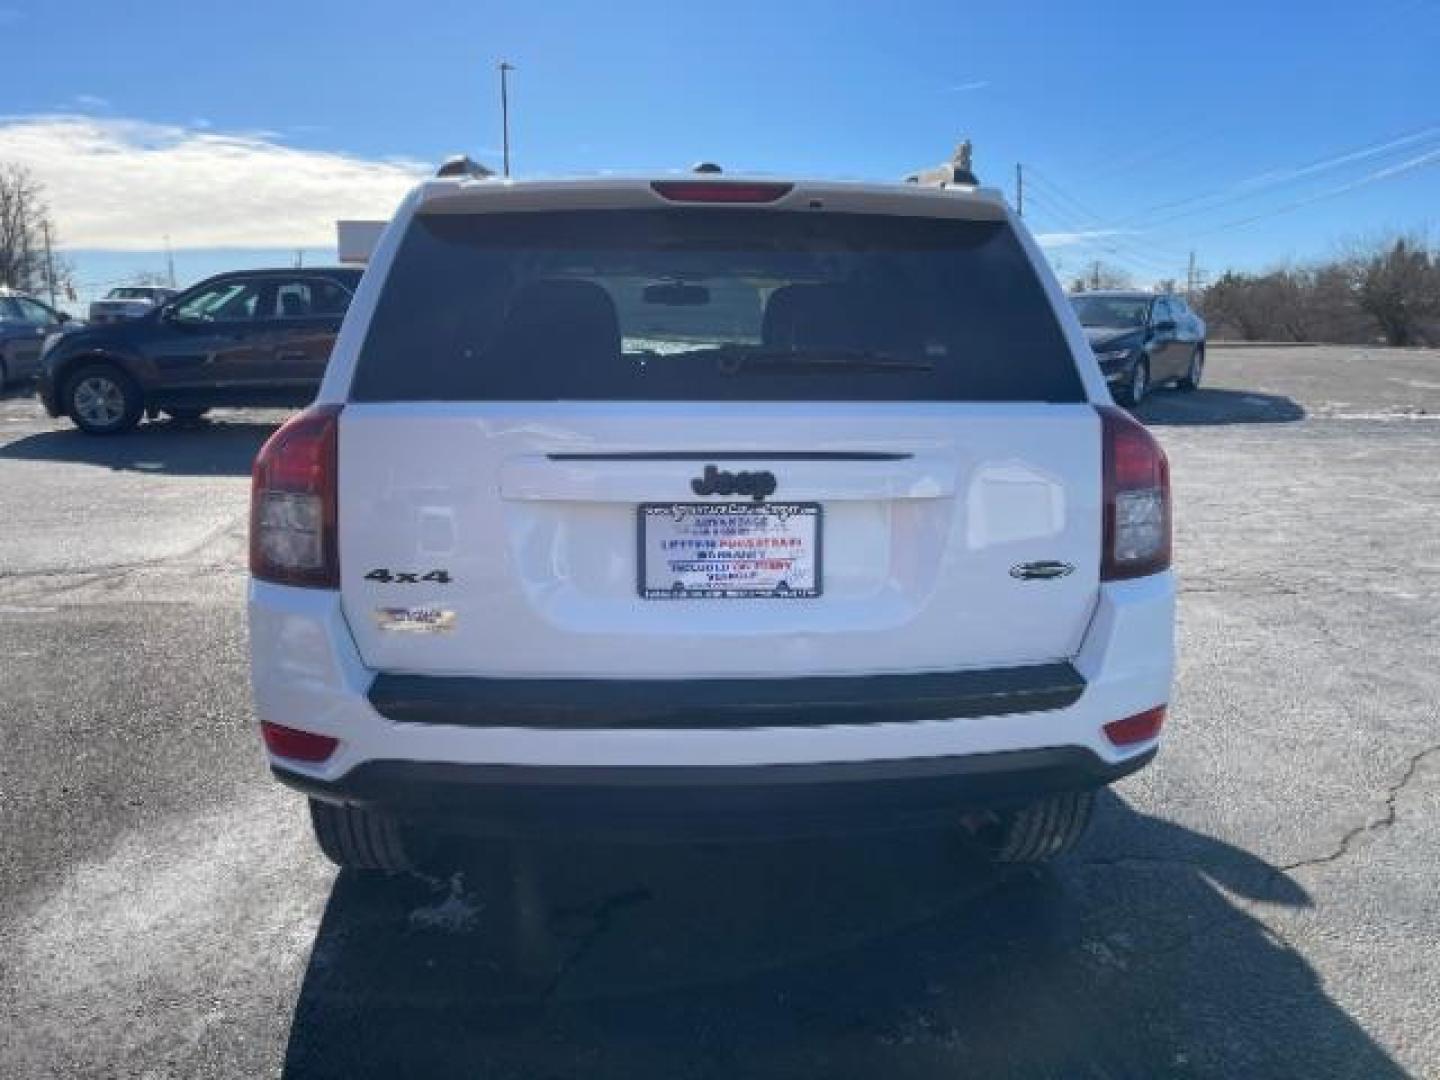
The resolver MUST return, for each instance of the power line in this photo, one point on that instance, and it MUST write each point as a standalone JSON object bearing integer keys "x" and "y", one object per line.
{"x": 1430, "y": 157}
{"x": 1113, "y": 245}
{"x": 1059, "y": 194}
{"x": 1267, "y": 182}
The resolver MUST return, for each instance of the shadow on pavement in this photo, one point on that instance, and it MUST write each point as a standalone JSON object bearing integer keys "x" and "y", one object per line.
{"x": 220, "y": 447}
{"x": 1206, "y": 406}
{"x": 889, "y": 956}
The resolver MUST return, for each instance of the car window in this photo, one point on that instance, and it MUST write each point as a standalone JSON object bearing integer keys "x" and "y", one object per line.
{"x": 36, "y": 314}
{"x": 8, "y": 310}
{"x": 705, "y": 305}
{"x": 328, "y": 297}
{"x": 309, "y": 297}
{"x": 1116, "y": 311}
{"x": 232, "y": 300}
{"x": 1161, "y": 311}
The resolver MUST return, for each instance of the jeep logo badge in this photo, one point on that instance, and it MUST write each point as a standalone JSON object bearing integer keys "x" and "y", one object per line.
{"x": 714, "y": 482}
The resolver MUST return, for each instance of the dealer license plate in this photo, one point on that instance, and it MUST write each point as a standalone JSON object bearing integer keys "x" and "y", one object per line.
{"x": 729, "y": 551}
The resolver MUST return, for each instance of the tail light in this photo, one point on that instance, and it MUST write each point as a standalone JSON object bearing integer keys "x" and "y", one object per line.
{"x": 720, "y": 191}
{"x": 1142, "y": 727}
{"x": 1136, "y": 499}
{"x": 293, "y": 502}
{"x": 297, "y": 745}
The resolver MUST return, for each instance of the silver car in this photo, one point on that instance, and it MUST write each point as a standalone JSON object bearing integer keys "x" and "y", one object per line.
{"x": 128, "y": 302}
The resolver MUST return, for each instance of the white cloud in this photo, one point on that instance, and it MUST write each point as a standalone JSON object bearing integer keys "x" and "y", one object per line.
{"x": 978, "y": 84}
{"x": 123, "y": 185}
{"x": 1073, "y": 239}
{"x": 91, "y": 101}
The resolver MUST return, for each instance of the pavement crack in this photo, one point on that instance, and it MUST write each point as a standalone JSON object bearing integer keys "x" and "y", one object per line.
{"x": 1384, "y": 821}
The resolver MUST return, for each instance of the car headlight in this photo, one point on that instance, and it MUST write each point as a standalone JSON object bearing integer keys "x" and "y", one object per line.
{"x": 1114, "y": 356}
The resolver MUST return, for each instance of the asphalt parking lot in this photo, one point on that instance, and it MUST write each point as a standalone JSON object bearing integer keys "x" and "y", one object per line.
{"x": 1264, "y": 900}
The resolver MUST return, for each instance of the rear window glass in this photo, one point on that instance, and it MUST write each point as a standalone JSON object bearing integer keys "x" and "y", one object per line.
{"x": 712, "y": 305}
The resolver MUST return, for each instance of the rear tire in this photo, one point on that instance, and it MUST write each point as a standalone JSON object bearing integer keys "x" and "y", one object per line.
{"x": 1193, "y": 374}
{"x": 1043, "y": 830}
{"x": 100, "y": 399}
{"x": 356, "y": 839}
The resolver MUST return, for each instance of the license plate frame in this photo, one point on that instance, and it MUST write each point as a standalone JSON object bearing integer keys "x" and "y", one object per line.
{"x": 800, "y": 511}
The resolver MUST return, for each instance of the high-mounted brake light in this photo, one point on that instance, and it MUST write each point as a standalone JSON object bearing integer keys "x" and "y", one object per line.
{"x": 293, "y": 502}
{"x": 720, "y": 191}
{"x": 1136, "y": 538}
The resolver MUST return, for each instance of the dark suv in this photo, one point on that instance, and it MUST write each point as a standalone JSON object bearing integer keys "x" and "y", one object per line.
{"x": 249, "y": 338}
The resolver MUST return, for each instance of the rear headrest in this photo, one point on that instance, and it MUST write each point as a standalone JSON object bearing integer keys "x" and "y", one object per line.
{"x": 576, "y": 318}
{"x": 811, "y": 316}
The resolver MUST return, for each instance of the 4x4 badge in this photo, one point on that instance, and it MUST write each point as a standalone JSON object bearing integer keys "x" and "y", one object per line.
{"x": 715, "y": 482}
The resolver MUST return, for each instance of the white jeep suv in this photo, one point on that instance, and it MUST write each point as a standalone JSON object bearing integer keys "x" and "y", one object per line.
{"x": 708, "y": 504}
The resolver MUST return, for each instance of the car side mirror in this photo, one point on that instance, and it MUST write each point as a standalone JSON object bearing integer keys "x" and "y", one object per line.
{"x": 1164, "y": 326}
{"x": 62, "y": 317}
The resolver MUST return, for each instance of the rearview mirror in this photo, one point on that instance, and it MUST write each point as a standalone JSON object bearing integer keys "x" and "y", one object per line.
{"x": 677, "y": 294}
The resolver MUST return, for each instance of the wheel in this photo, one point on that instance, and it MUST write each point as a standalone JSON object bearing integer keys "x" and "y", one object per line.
{"x": 1196, "y": 370}
{"x": 186, "y": 412}
{"x": 1041, "y": 830}
{"x": 1138, "y": 385}
{"x": 357, "y": 839}
{"x": 102, "y": 400}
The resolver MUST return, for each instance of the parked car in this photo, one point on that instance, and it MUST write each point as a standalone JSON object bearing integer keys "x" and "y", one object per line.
{"x": 708, "y": 505}
{"x": 248, "y": 338}
{"x": 128, "y": 302}
{"x": 25, "y": 324}
{"x": 1143, "y": 340}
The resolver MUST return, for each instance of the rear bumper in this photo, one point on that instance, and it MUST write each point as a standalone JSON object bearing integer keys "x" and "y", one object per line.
{"x": 719, "y": 801}
{"x": 494, "y": 750}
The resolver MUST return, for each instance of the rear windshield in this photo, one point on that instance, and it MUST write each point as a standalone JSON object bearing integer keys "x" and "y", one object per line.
{"x": 712, "y": 305}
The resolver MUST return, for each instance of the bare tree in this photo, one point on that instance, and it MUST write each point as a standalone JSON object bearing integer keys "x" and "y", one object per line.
{"x": 1387, "y": 290}
{"x": 27, "y": 259}
{"x": 150, "y": 277}
{"x": 1101, "y": 275}
{"x": 1399, "y": 287}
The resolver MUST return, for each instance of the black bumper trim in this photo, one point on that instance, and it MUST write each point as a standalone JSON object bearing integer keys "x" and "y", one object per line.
{"x": 713, "y": 800}
{"x": 723, "y": 703}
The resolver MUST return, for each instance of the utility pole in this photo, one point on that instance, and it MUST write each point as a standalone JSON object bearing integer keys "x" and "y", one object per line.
{"x": 1095, "y": 274}
{"x": 1019, "y": 190}
{"x": 49, "y": 261}
{"x": 169, "y": 260}
{"x": 505, "y": 69}
{"x": 299, "y": 258}
{"x": 1190, "y": 277}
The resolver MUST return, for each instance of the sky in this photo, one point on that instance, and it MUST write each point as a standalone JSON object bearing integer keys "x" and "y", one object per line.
{"x": 1252, "y": 134}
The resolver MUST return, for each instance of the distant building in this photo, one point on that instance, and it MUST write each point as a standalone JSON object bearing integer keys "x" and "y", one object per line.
{"x": 355, "y": 240}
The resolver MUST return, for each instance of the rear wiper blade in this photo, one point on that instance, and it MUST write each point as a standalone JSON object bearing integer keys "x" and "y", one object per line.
{"x": 733, "y": 361}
